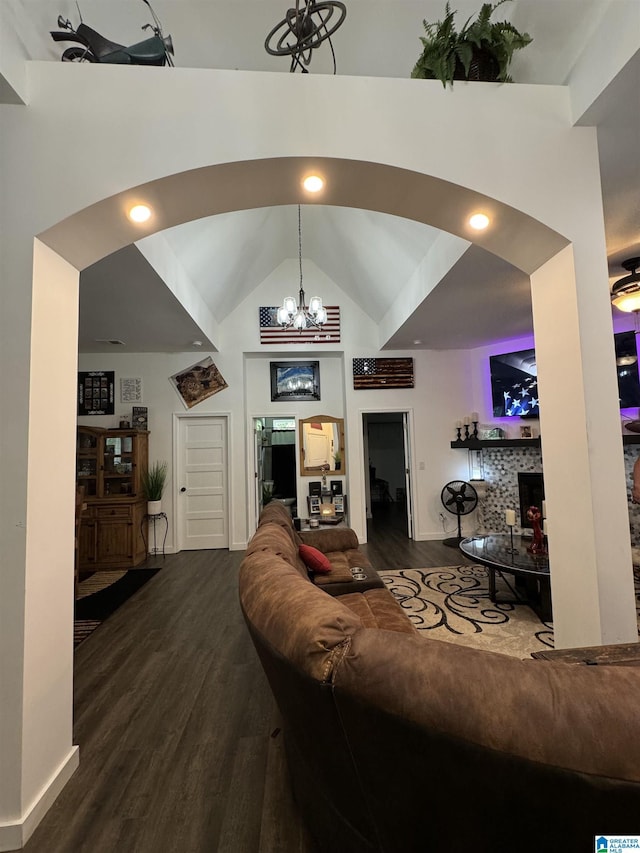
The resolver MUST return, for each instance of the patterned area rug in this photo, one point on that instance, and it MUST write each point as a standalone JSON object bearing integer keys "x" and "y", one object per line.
{"x": 99, "y": 595}
{"x": 452, "y": 603}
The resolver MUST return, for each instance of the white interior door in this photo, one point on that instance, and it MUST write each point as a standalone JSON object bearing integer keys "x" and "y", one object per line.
{"x": 203, "y": 512}
{"x": 407, "y": 473}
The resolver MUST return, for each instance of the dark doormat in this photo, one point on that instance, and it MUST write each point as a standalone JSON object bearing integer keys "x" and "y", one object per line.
{"x": 92, "y": 610}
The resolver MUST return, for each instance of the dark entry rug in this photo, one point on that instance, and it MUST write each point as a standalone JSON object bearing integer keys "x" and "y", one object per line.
{"x": 101, "y": 595}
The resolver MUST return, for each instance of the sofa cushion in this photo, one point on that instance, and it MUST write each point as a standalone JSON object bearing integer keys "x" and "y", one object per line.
{"x": 277, "y": 513}
{"x": 313, "y": 630}
{"x": 274, "y": 539}
{"x": 557, "y": 714}
{"x": 332, "y": 539}
{"x": 314, "y": 559}
{"x": 377, "y": 608}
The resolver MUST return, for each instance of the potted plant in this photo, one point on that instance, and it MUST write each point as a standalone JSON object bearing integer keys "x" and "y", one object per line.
{"x": 482, "y": 50}
{"x": 153, "y": 482}
{"x": 337, "y": 458}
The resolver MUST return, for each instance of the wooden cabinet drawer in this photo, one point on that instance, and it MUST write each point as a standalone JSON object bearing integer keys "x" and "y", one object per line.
{"x": 111, "y": 512}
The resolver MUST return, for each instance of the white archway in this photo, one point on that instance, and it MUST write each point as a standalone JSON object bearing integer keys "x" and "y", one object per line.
{"x": 223, "y": 140}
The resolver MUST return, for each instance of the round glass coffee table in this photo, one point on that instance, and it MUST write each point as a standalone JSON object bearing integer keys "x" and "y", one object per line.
{"x": 531, "y": 571}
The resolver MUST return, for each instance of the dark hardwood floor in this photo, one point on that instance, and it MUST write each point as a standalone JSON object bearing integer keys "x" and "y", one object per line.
{"x": 177, "y": 728}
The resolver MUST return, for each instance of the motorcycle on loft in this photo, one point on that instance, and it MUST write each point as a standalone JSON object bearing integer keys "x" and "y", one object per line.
{"x": 155, "y": 50}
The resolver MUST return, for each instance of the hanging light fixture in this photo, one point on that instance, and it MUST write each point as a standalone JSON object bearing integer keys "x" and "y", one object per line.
{"x": 294, "y": 314}
{"x": 625, "y": 293}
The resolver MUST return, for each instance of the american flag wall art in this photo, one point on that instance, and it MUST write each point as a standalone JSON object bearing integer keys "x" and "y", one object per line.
{"x": 382, "y": 373}
{"x": 272, "y": 333}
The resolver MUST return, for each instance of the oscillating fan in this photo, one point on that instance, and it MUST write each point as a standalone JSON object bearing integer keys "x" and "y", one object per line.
{"x": 460, "y": 498}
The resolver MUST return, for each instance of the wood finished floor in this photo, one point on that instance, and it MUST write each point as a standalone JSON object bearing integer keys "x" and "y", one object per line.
{"x": 175, "y": 721}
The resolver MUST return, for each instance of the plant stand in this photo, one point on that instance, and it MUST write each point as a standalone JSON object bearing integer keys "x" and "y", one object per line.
{"x": 160, "y": 516}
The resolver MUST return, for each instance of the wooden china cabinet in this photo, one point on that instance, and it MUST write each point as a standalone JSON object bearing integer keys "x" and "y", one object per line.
{"x": 109, "y": 464}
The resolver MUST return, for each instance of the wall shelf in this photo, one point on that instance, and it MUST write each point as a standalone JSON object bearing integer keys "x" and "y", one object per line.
{"x": 479, "y": 444}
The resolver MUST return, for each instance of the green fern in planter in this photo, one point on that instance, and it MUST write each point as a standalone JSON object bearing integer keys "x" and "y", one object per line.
{"x": 482, "y": 49}
{"x": 153, "y": 481}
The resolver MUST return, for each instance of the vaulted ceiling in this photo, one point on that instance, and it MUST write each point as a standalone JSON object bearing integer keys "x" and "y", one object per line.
{"x": 226, "y": 256}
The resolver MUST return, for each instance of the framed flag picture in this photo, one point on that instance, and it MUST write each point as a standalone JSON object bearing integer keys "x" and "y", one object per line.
{"x": 272, "y": 333}
{"x": 382, "y": 373}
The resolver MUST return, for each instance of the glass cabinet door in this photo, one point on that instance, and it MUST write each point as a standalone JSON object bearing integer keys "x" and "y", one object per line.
{"x": 87, "y": 463}
{"x": 117, "y": 476}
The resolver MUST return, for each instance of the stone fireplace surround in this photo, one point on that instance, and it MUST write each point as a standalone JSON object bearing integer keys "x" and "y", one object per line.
{"x": 501, "y": 467}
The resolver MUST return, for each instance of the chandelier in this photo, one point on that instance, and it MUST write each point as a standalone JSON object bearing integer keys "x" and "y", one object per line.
{"x": 295, "y": 315}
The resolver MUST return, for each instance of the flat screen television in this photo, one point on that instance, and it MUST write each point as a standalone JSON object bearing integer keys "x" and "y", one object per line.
{"x": 514, "y": 384}
{"x": 514, "y": 379}
{"x": 627, "y": 367}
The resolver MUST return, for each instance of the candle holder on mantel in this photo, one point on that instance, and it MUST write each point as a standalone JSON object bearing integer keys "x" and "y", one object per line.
{"x": 537, "y": 547}
{"x": 511, "y": 520}
{"x": 475, "y": 418}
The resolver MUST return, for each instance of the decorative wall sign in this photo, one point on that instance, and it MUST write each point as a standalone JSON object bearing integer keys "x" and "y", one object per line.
{"x": 131, "y": 390}
{"x": 198, "y": 382}
{"x": 382, "y": 373}
{"x": 140, "y": 417}
{"x": 272, "y": 333}
{"x": 295, "y": 380}
{"x": 96, "y": 392}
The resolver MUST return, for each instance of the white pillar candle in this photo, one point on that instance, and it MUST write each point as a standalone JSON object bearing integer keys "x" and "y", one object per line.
{"x": 511, "y": 517}
{"x": 475, "y": 416}
{"x": 466, "y": 420}
{"x": 458, "y": 424}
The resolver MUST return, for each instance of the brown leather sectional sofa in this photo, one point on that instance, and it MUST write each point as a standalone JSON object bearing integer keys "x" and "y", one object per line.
{"x": 399, "y": 743}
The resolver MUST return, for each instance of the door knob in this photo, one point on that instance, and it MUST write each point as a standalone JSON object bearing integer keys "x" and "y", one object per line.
{"x": 183, "y": 489}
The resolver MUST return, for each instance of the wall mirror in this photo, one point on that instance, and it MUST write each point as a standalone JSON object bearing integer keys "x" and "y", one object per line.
{"x": 322, "y": 446}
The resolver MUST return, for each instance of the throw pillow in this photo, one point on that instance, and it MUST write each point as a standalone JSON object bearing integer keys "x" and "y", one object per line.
{"x": 314, "y": 559}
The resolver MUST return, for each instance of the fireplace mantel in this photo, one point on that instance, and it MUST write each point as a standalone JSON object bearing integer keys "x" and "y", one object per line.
{"x": 479, "y": 444}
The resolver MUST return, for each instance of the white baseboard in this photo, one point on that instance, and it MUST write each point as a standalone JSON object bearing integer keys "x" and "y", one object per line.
{"x": 428, "y": 537}
{"x": 13, "y": 836}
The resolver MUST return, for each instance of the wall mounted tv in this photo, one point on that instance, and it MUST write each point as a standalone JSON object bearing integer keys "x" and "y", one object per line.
{"x": 627, "y": 367}
{"x": 514, "y": 384}
{"x": 514, "y": 379}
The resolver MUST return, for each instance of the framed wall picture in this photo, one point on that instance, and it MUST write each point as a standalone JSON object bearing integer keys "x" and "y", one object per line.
{"x": 131, "y": 389}
{"x": 196, "y": 383}
{"x": 95, "y": 392}
{"x": 382, "y": 373}
{"x": 295, "y": 380}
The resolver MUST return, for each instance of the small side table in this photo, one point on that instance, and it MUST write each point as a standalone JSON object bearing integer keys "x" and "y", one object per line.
{"x": 162, "y": 516}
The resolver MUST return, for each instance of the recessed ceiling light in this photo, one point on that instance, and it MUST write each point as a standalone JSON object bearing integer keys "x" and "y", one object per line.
{"x": 313, "y": 183}
{"x": 479, "y": 221}
{"x": 140, "y": 213}
{"x": 417, "y": 342}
